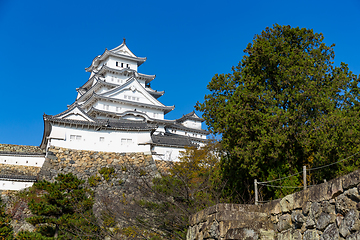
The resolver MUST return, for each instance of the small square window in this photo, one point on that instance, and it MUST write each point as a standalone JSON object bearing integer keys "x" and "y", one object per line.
{"x": 102, "y": 139}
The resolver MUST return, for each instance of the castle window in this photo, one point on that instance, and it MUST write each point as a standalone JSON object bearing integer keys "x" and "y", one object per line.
{"x": 75, "y": 137}
{"x": 127, "y": 65}
{"x": 126, "y": 141}
{"x": 101, "y": 139}
{"x": 117, "y": 64}
{"x": 118, "y": 109}
{"x": 122, "y": 64}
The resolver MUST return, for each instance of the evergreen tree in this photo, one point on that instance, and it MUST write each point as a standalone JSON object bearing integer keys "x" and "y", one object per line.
{"x": 284, "y": 105}
{"x": 62, "y": 210}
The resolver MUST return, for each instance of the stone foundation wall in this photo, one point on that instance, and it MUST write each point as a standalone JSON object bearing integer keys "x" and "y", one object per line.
{"x": 85, "y": 164}
{"x": 326, "y": 211}
{"x": 21, "y": 148}
{"x": 19, "y": 170}
{"x": 10, "y": 170}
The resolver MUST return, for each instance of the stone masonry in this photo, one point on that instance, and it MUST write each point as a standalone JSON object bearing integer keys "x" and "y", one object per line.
{"x": 20, "y": 148}
{"x": 328, "y": 211}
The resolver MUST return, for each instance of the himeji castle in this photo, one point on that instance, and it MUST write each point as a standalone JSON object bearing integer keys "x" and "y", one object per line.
{"x": 116, "y": 110}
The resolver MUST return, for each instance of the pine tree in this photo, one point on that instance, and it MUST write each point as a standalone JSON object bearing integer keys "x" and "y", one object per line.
{"x": 62, "y": 210}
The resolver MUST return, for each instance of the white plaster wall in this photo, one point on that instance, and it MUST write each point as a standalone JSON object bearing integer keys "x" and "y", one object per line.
{"x": 152, "y": 113}
{"x": 167, "y": 153}
{"x": 22, "y": 160}
{"x": 192, "y": 124}
{"x": 111, "y": 62}
{"x": 186, "y": 133}
{"x": 116, "y": 78}
{"x": 14, "y": 185}
{"x": 102, "y": 140}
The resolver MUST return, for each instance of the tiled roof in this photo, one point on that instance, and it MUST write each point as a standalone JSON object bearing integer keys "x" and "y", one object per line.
{"x": 182, "y": 127}
{"x": 148, "y": 78}
{"x": 171, "y": 140}
{"x": 22, "y": 154}
{"x": 74, "y": 105}
{"x": 106, "y": 124}
{"x": 18, "y": 178}
{"x": 107, "y": 53}
{"x": 189, "y": 116}
{"x": 166, "y": 109}
{"x": 154, "y": 93}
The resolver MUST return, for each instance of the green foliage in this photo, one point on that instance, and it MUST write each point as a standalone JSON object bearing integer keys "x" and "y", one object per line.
{"x": 187, "y": 186}
{"x": 94, "y": 180}
{"x": 284, "y": 105}
{"x": 62, "y": 210}
{"x": 124, "y": 168}
{"x": 107, "y": 172}
{"x": 24, "y": 235}
{"x": 6, "y": 230}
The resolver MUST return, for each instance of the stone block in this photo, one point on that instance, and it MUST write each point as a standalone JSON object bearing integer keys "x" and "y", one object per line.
{"x": 343, "y": 204}
{"x": 353, "y": 194}
{"x": 291, "y": 234}
{"x": 350, "y": 223}
{"x": 242, "y": 233}
{"x": 284, "y": 222}
{"x": 324, "y": 220}
{"x": 266, "y": 234}
{"x": 354, "y": 236}
{"x": 287, "y": 203}
{"x": 330, "y": 233}
{"x": 315, "y": 210}
{"x": 306, "y": 208}
{"x": 297, "y": 218}
{"x": 327, "y": 207}
{"x": 351, "y": 179}
{"x": 272, "y": 207}
{"x": 311, "y": 235}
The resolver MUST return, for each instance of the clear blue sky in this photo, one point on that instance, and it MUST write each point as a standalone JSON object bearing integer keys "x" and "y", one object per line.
{"x": 45, "y": 46}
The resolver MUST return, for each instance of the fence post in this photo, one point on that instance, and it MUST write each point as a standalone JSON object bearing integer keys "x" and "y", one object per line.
{"x": 256, "y": 192}
{"x": 304, "y": 176}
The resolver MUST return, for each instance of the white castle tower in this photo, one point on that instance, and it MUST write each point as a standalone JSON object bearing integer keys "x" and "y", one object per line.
{"x": 117, "y": 111}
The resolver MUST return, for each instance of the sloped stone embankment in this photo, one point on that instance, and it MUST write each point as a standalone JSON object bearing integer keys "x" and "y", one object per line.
{"x": 328, "y": 211}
